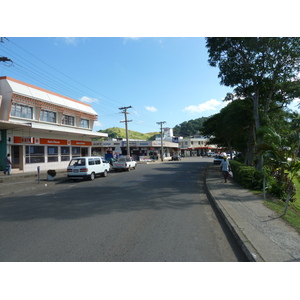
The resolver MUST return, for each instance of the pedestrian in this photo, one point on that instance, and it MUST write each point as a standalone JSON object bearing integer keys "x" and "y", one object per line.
{"x": 8, "y": 164}
{"x": 225, "y": 168}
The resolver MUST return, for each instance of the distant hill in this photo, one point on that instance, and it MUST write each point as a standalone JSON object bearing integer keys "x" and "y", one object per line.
{"x": 117, "y": 132}
{"x": 185, "y": 129}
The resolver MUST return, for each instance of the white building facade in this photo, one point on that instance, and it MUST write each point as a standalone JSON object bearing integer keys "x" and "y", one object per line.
{"x": 40, "y": 128}
{"x": 197, "y": 146}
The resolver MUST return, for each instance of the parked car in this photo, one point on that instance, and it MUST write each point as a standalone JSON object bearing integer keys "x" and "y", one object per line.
{"x": 176, "y": 157}
{"x": 218, "y": 159}
{"x": 125, "y": 162}
{"x": 211, "y": 154}
{"x": 87, "y": 167}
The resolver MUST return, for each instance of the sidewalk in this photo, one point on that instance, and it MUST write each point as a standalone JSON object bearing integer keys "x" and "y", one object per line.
{"x": 20, "y": 182}
{"x": 262, "y": 234}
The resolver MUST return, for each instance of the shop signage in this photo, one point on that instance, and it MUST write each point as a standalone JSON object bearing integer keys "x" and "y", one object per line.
{"x": 81, "y": 143}
{"x": 24, "y": 140}
{"x": 145, "y": 158}
{"x": 131, "y": 144}
{"x": 53, "y": 141}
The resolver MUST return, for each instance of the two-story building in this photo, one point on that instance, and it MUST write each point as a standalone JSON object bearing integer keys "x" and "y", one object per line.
{"x": 196, "y": 146}
{"x": 42, "y": 128}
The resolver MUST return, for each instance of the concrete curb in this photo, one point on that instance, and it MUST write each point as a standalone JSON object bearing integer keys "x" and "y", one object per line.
{"x": 249, "y": 250}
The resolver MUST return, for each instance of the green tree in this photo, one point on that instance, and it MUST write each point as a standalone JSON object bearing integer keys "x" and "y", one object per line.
{"x": 230, "y": 127}
{"x": 189, "y": 128}
{"x": 281, "y": 162}
{"x": 262, "y": 70}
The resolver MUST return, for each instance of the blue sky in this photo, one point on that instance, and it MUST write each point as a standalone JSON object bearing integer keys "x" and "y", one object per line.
{"x": 163, "y": 79}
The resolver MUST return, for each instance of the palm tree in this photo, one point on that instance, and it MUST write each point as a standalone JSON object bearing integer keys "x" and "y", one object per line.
{"x": 281, "y": 161}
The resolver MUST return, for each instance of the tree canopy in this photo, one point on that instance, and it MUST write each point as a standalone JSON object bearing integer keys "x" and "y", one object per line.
{"x": 189, "y": 128}
{"x": 263, "y": 71}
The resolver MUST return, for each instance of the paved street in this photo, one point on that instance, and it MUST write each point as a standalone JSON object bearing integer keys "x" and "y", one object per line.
{"x": 158, "y": 212}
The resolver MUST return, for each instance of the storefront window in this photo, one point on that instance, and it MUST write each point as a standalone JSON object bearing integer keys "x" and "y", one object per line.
{"x": 84, "y": 123}
{"x": 21, "y": 111}
{"x": 48, "y": 116}
{"x": 65, "y": 153}
{"x": 52, "y": 153}
{"x": 68, "y": 120}
{"x": 34, "y": 154}
{"x": 75, "y": 151}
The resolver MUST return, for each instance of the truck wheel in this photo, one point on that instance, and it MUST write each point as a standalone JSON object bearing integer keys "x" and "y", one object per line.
{"x": 92, "y": 176}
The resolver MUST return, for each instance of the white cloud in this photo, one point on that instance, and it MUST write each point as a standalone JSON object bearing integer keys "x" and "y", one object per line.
{"x": 73, "y": 41}
{"x": 125, "y": 39}
{"x": 70, "y": 40}
{"x": 212, "y": 104}
{"x": 88, "y": 99}
{"x": 151, "y": 108}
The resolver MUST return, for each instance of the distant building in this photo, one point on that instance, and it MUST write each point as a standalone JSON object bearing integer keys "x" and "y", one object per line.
{"x": 196, "y": 146}
{"x": 138, "y": 149}
{"x": 41, "y": 128}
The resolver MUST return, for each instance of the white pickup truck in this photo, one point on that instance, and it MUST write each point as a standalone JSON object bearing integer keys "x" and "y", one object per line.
{"x": 124, "y": 163}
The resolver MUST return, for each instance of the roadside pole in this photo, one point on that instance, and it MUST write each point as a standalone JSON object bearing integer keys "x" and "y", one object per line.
{"x": 161, "y": 140}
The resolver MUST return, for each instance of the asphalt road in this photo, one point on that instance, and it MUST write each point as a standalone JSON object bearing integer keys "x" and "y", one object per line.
{"x": 156, "y": 213}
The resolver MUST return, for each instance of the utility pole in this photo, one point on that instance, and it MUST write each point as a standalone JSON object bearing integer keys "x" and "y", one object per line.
{"x": 161, "y": 140}
{"x": 3, "y": 58}
{"x": 126, "y": 126}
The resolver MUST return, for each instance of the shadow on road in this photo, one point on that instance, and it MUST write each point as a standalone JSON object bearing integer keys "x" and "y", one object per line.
{"x": 170, "y": 189}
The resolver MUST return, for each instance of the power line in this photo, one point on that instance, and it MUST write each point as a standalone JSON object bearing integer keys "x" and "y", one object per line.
{"x": 40, "y": 75}
{"x": 77, "y": 82}
{"x": 25, "y": 67}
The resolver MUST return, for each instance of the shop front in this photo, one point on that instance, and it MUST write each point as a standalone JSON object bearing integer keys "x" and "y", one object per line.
{"x": 28, "y": 153}
{"x": 139, "y": 150}
{"x": 40, "y": 128}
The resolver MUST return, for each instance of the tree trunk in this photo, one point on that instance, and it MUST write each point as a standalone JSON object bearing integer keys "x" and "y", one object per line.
{"x": 259, "y": 165}
{"x": 250, "y": 146}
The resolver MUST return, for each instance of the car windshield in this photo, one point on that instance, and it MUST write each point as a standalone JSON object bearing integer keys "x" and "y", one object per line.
{"x": 77, "y": 162}
{"x": 124, "y": 158}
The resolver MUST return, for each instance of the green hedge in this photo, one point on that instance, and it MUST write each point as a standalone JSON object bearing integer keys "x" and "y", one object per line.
{"x": 247, "y": 176}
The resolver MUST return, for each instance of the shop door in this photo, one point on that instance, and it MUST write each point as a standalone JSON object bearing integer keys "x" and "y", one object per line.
{"x": 16, "y": 157}
{"x": 84, "y": 151}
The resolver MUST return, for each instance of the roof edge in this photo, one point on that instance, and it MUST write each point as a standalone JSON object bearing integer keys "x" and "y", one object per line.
{"x": 41, "y": 89}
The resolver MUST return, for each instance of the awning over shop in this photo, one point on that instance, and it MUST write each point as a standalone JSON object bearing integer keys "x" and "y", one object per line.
{"x": 195, "y": 148}
{"x": 51, "y": 129}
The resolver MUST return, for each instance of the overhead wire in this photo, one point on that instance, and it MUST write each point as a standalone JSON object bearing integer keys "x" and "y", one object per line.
{"x": 30, "y": 70}
{"x": 34, "y": 72}
{"x": 77, "y": 82}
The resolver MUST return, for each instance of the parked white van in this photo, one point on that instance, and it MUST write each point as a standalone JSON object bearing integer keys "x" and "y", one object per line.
{"x": 87, "y": 167}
